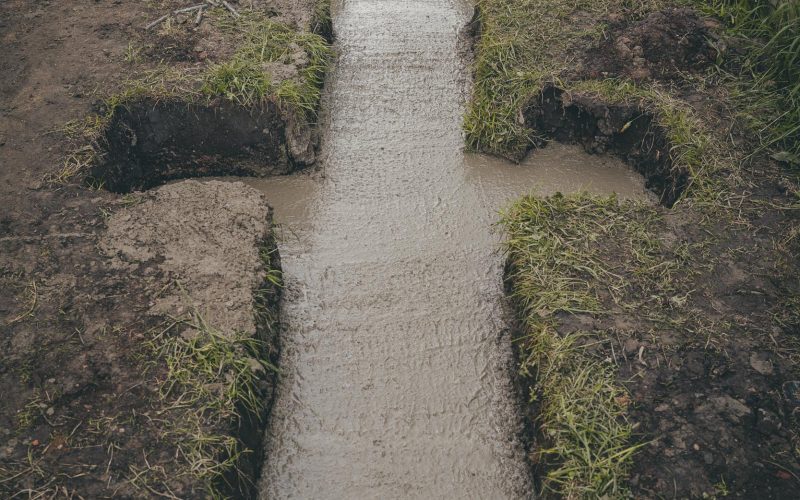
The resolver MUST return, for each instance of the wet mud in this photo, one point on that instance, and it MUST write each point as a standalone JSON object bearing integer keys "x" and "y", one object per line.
{"x": 395, "y": 367}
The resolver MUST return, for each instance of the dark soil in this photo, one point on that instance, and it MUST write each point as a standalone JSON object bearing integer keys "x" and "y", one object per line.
{"x": 661, "y": 46}
{"x": 150, "y": 142}
{"x": 709, "y": 394}
{"x": 624, "y": 130}
{"x": 80, "y": 416}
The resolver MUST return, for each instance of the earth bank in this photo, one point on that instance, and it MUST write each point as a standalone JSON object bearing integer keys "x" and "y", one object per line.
{"x": 658, "y": 345}
{"x": 123, "y": 373}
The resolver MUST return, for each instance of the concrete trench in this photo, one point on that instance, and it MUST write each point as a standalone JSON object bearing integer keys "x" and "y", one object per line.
{"x": 396, "y": 355}
{"x": 396, "y": 362}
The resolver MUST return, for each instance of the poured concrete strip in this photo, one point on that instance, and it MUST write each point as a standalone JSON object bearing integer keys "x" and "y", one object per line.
{"x": 395, "y": 373}
{"x": 394, "y": 377}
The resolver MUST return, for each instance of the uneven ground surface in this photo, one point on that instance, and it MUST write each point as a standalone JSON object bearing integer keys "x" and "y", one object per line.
{"x": 123, "y": 374}
{"x": 659, "y": 344}
{"x": 137, "y": 329}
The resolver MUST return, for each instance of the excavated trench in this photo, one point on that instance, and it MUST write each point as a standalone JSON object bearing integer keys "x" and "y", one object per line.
{"x": 151, "y": 141}
{"x": 396, "y": 364}
{"x": 627, "y": 131}
{"x": 396, "y": 353}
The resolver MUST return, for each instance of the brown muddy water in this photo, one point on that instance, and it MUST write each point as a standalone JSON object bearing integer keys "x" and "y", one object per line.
{"x": 396, "y": 352}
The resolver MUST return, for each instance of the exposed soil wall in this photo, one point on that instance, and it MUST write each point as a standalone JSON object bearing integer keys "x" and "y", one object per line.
{"x": 622, "y": 129}
{"x": 149, "y": 142}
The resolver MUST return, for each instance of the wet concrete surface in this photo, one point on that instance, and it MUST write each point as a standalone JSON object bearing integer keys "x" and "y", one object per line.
{"x": 396, "y": 351}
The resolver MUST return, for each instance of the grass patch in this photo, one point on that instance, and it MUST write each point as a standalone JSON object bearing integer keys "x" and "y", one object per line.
{"x": 209, "y": 387}
{"x": 587, "y": 255}
{"x": 524, "y": 44}
{"x": 213, "y": 389}
{"x": 243, "y": 79}
{"x": 771, "y": 94}
{"x": 585, "y": 448}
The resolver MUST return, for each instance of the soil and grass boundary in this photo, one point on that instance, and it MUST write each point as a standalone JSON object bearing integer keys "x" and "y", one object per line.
{"x": 257, "y": 106}
{"x": 106, "y": 396}
{"x": 618, "y": 301}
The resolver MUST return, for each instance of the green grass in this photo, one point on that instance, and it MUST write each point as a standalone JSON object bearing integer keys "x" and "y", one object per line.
{"x": 523, "y": 45}
{"x": 556, "y": 268}
{"x": 594, "y": 256}
{"x": 210, "y": 378}
{"x": 211, "y": 382}
{"x": 771, "y": 94}
{"x": 244, "y": 79}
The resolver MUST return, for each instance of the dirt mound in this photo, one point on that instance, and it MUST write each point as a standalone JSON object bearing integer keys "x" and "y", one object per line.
{"x": 204, "y": 235}
{"x": 661, "y": 46}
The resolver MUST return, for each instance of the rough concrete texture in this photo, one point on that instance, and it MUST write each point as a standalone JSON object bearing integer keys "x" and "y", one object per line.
{"x": 205, "y": 236}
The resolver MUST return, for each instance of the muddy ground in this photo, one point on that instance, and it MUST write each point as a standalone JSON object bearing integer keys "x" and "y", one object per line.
{"x": 108, "y": 296}
{"x": 704, "y": 337}
{"x": 122, "y": 375}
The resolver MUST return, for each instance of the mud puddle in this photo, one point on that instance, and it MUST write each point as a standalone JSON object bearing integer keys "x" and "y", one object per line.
{"x": 395, "y": 357}
{"x": 558, "y": 168}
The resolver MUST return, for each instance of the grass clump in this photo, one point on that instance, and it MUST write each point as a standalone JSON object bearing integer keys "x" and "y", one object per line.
{"x": 524, "y": 44}
{"x": 209, "y": 387}
{"x": 246, "y": 78}
{"x": 212, "y": 388}
{"x": 591, "y": 256}
{"x": 586, "y": 447}
{"x": 772, "y": 59}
